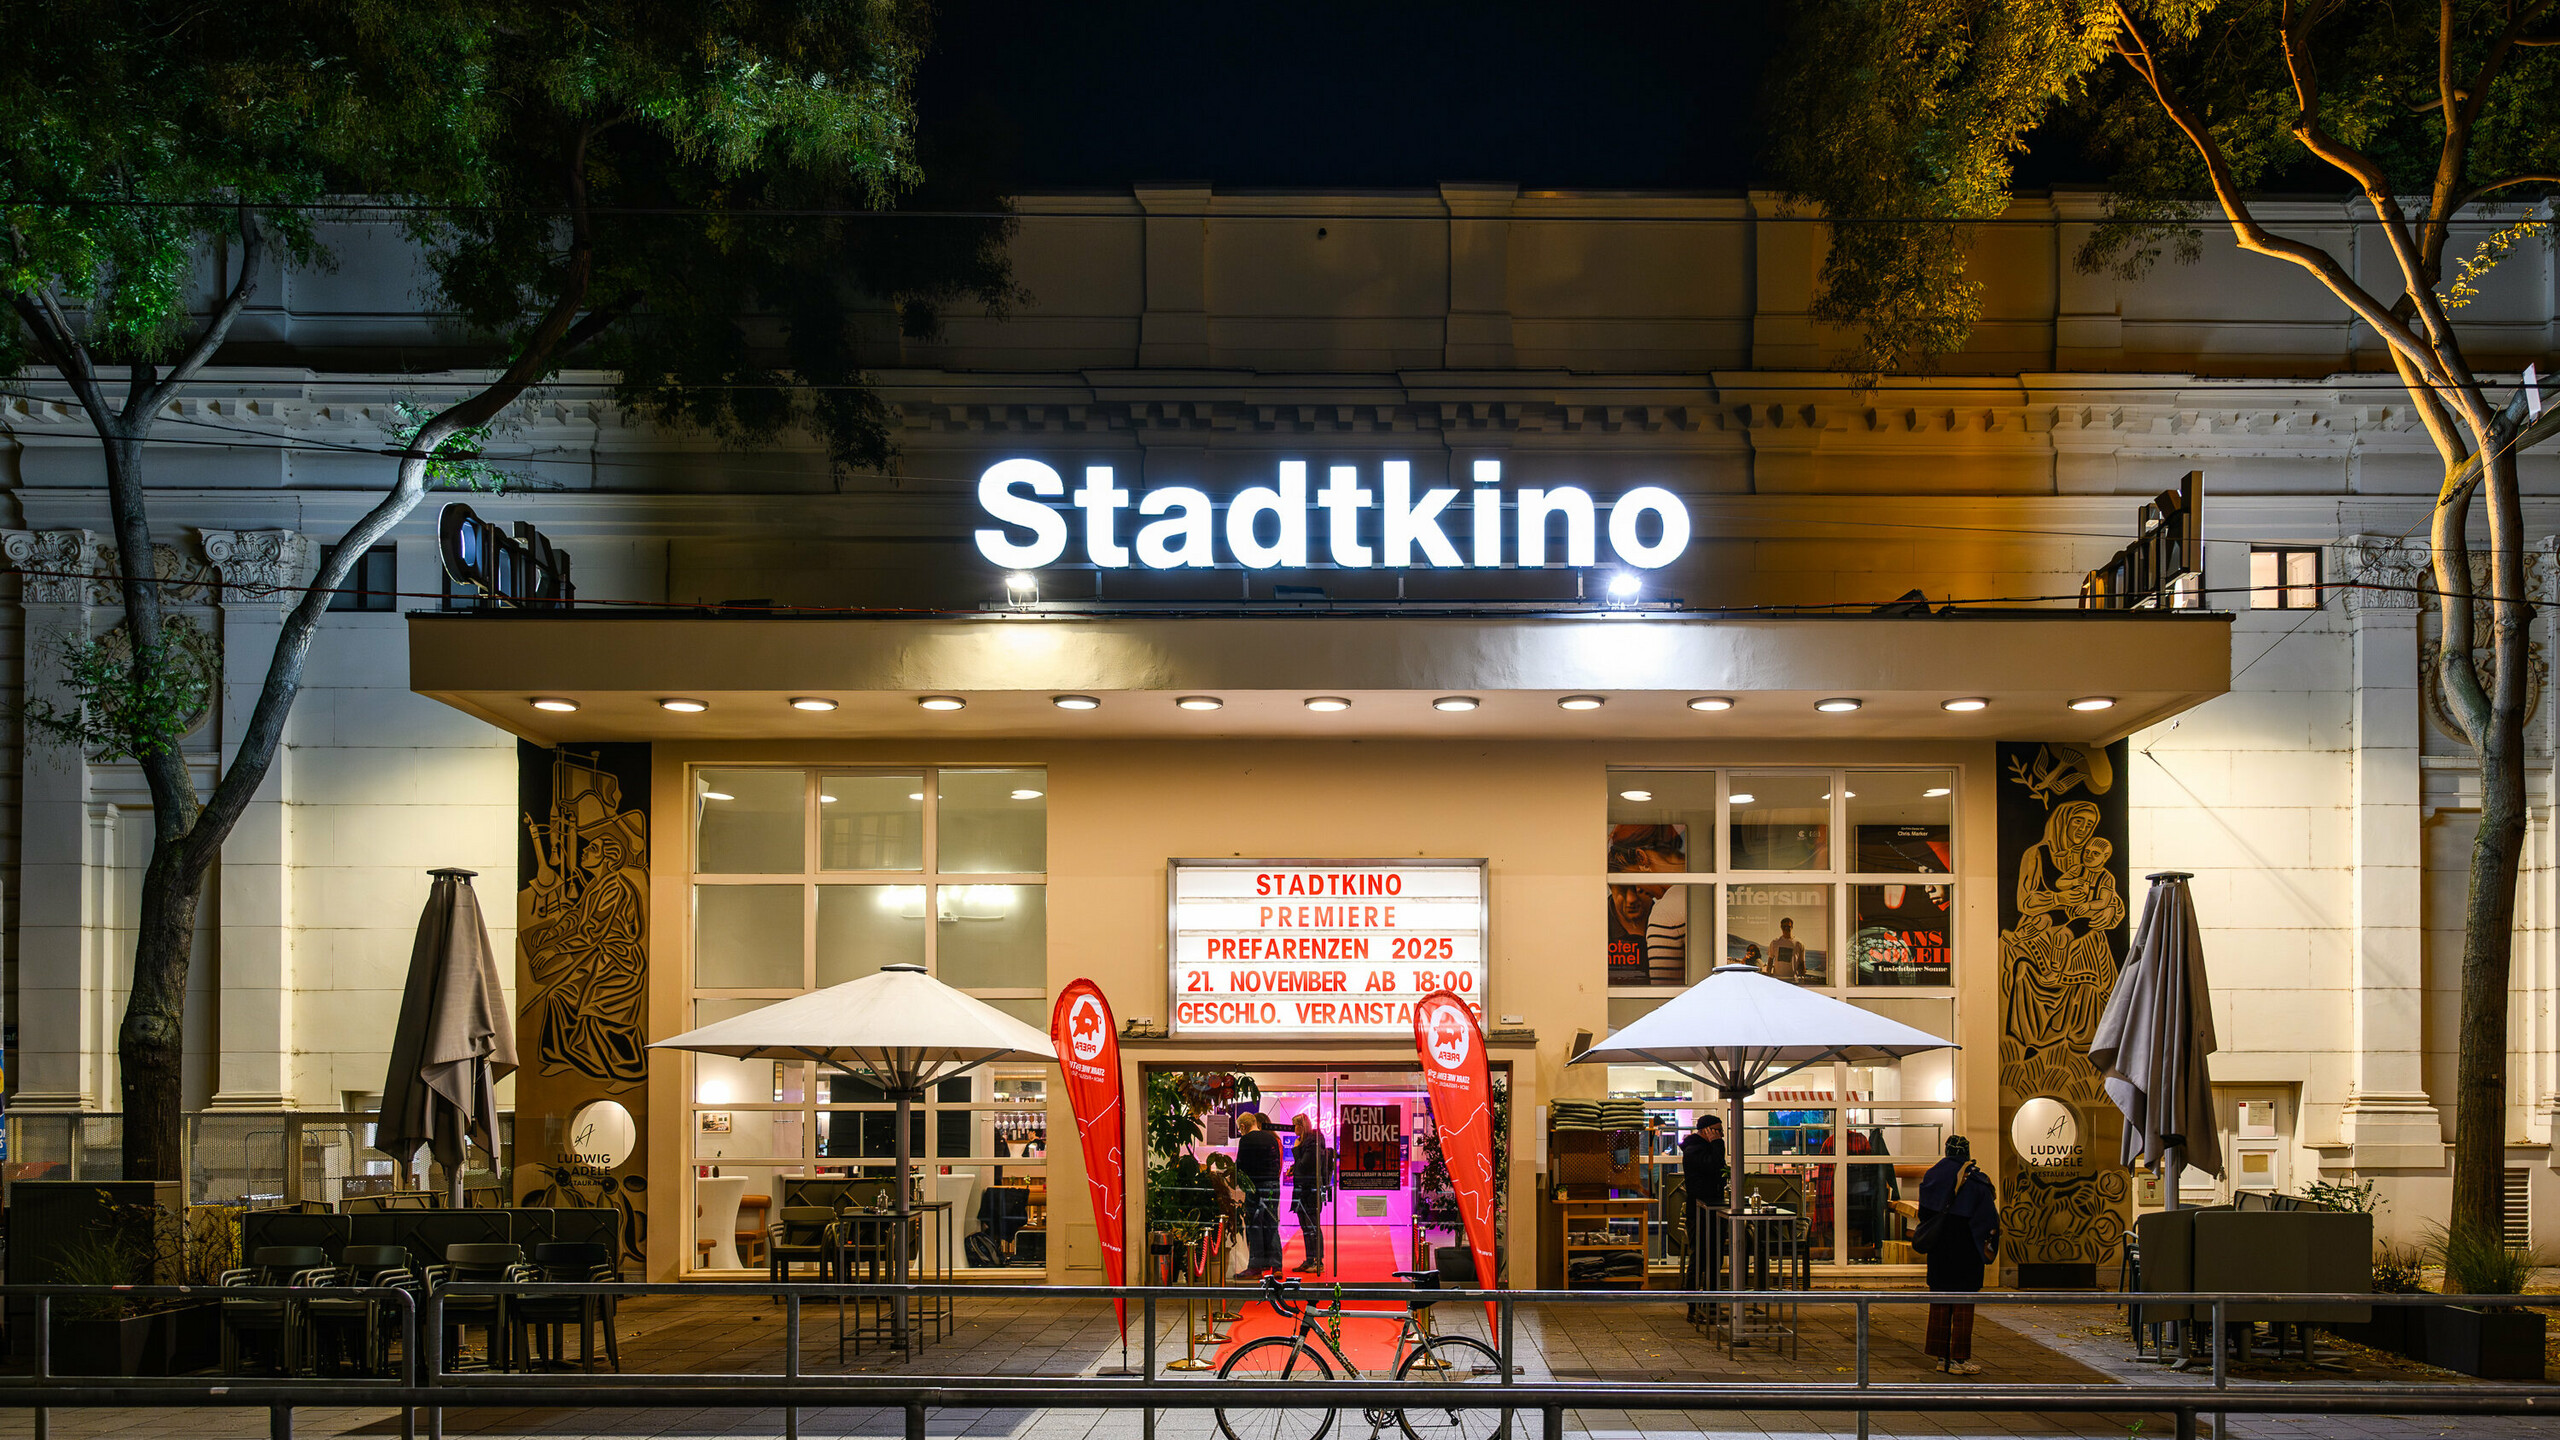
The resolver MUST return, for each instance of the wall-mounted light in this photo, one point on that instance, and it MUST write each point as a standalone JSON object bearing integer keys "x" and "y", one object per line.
{"x": 1022, "y": 588}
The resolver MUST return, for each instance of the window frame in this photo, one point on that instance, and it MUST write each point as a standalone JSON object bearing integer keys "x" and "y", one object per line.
{"x": 2282, "y": 595}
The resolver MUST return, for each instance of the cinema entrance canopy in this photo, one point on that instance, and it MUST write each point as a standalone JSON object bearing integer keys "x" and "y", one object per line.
{"x": 2052, "y": 674}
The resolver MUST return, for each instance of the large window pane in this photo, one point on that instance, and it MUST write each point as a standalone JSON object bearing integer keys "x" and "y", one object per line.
{"x": 1781, "y": 822}
{"x": 1902, "y": 821}
{"x": 871, "y": 822}
{"x": 1656, "y": 934}
{"x": 751, "y": 822}
{"x": 995, "y": 822}
{"x": 1662, "y": 820}
{"x": 992, "y": 937}
{"x": 720, "y": 1080}
{"x": 864, "y": 927}
{"x": 748, "y": 1134}
{"x": 1782, "y": 930}
{"x": 747, "y": 937}
{"x": 1901, "y": 936}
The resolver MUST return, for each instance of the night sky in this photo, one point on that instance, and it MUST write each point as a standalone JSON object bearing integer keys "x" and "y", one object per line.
{"x": 1597, "y": 94}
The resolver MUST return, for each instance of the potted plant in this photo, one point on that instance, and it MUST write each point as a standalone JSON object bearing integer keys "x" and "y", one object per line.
{"x": 144, "y": 1335}
{"x": 2500, "y": 1343}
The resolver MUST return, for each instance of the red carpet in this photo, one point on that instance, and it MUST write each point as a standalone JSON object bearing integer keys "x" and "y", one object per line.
{"x": 1355, "y": 1255}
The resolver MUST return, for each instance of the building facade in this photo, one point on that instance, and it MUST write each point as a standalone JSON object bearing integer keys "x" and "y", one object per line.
{"x": 2282, "y": 750}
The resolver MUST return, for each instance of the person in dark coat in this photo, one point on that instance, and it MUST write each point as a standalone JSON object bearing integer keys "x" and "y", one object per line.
{"x": 1702, "y": 1175}
{"x": 1258, "y": 1162}
{"x": 1960, "y": 1223}
{"x": 1310, "y": 1178}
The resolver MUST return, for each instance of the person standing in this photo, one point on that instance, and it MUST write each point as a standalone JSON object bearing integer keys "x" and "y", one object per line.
{"x": 1310, "y": 1185}
{"x": 1786, "y": 953}
{"x": 1702, "y": 1176}
{"x": 1959, "y": 1231}
{"x": 1258, "y": 1161}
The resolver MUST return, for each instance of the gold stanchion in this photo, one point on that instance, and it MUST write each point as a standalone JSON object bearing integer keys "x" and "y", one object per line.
{"x": 1219, "y": 1314}
{"x": 1180, "y": 1255}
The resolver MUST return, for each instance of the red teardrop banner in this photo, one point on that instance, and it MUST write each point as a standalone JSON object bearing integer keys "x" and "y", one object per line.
{"x": 1454, "y": 1071}
{"x": 1089, "y": 1056}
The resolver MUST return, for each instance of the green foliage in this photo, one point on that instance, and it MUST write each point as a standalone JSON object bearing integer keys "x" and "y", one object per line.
{"x": 2398, "y": 1269}
{"x": 2478, "y": 1261}
{"x": 2354, "y": 1197}
{"x": 459, "y": 462}
{"x": 124, "y": 710}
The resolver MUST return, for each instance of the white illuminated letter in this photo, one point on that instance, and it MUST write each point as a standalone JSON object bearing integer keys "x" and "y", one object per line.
{"x": 1623, "y": 536}
{"x": 1405, "y": 524}
{"x": 1488, "y": 506}
{"x": 1343, "y": 497}
{"x": 1048, "y": 528}
{"x": 1100, "y": 498}
{"x": 1157, "y": 547}
{"x": 1573, "y": 502}
{"x": 1288, "y": 505}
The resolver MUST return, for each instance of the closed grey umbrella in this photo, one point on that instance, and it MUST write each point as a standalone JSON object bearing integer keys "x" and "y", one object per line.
{"x": 2153, "y": 1037}
{"x": 455, "y": 1042}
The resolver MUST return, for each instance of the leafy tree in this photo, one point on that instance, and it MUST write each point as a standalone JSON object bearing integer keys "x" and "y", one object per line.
{"x": 687, "y": 189}
{"x": 1901, "y": 120}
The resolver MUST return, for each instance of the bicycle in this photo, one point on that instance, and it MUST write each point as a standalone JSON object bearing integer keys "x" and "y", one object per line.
{"x": 1422, "y": 1356}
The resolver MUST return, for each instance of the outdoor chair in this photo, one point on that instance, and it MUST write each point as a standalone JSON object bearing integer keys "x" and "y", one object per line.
{"x": 572, "y": 1263}
{"x": 826, "y": 1190}
{"x": 284, "y": 1320}
{"x": 494, "y": 1314}
{"x": 800, "y": 1235}
{"x": 261, "y": 1229}
{"x": 430, "y": 1234}
{"x": 360, "y": 1328}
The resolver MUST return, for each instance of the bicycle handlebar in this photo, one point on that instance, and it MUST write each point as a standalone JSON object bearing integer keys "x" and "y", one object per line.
{"x": 1281, "y": 1290}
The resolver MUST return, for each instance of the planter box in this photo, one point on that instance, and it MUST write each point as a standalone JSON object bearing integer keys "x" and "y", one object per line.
{"x": 165, "y": 1342}
{"x": 2491, "y": 1344}
{"x": 2396, "y": 1329}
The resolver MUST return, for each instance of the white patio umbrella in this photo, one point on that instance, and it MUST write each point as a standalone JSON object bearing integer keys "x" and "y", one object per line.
{"x": 901, "y": 1029}
{"x": 1738, "y": 1030}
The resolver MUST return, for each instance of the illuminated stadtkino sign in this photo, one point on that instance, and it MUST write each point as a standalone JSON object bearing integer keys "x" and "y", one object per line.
{"x": 1385, "y": 526}
{"x": 1322, "y": 947}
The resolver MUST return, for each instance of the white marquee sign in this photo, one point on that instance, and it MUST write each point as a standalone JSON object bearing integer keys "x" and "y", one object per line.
{"x": 1281, "y": 948}
{"x": 1386, "y": 526}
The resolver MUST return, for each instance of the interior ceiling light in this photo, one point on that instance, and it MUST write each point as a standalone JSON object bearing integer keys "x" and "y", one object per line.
{"x": 811, "y": 702}
{"x": 555, "y": 704}
{"x": 1741, "y": 798}
{"x": 1639, "y": 796}
{"x": 943, "y": 702}
{"x": 1851, "y": 794}
{"x": 1934, "y": 791}
{"x": 826, "y": 799}
{"x": 915, "y": 795}
{"x": 1712, "y": 702}
{"x": 1327, "y": 703}
{"x": 1837, "y": 705}
{"x": 1026, "y": 794}
{"x": 683, "y": 707}
{"x": 1581, "y": 702}
{"x": 1455, "y": 703}
{"x": 2094, "y": 702}
{"x": 1075, "y": 702}
{"x": 1968, "y": 703}
{"x": 717, "y": 795}
{"x": 1198, "y": 702}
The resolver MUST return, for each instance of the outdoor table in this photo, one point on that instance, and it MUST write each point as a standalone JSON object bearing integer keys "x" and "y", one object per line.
{"x": 1771, "y": 1256}
{"x": 928, "y": 1317}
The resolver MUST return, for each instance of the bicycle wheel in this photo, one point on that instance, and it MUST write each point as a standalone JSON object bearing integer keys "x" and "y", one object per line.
{"x": 1270, "y": 1359}
{"x": 1456, "y": 1361}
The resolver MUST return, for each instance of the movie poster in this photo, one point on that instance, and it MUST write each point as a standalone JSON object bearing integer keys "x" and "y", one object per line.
{"x": 1648, "y": 924}
{"x": 1782, "y": 931}
{"x": 1902, "y": 935}
{"x": 1372, "y": 1148}
{"x": 1904, "y": 850}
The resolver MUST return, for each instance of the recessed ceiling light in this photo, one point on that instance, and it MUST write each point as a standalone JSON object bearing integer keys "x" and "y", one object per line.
{"x": 826, "y": 799}
{"x": 1852, "y": 794}
{"x": 942, "y": 702}
{"x": 1581, "y": 702}
{"x": 1327, "y": 703}
{"x": 1934, "y": 791}
{"x": 683, "y": 707}
{"x": 1968, "y": 703}
{"x": 1075, "y": 702}
{"x": 1455, "y": 703}
{"x": 915, "y": 795}
{"x": 553, "y": 703}
{"x": 717, "y": 795}
{"x": 1198, "y": 702}
{"x": 1026, "y": 794}
{"x": 811, "y": 702}
{"x": 1837, "y": 705}
{"x": 2093, "y": 702}
{"x": 1638, "y": 796}
{"x": 1712, "y": 702}
{"x": 1740, "y": 798}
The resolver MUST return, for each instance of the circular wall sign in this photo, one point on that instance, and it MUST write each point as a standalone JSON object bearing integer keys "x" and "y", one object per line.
{"x": 601, "y": 1135}
{"x": 2045, "y": 1132}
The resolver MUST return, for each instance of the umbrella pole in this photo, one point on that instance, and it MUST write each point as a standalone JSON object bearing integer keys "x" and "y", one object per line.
{"x": 898, "y": 1232}
{"x": 1736, "y": 1143}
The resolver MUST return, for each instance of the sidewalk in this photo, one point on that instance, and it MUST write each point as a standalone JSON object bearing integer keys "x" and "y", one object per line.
{"x": 712, "y": 1333}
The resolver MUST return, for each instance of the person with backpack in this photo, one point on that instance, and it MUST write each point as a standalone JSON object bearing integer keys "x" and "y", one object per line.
{"x": 1959, "y": 1232}
{"x": 1310, "y": 1185}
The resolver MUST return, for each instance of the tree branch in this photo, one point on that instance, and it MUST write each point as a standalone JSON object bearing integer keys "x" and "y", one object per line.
{"x": 217, "y": 327}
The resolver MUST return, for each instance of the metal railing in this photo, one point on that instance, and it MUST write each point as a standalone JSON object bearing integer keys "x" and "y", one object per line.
{"x": 235, "y": 1157}
{"x": 423, "y": 1383}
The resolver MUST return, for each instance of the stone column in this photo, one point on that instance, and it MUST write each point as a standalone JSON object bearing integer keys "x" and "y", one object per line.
{"x": 262, "y": 572}
{"x": 2390, "y": 1123}
{"x": 1479, "y": 325}
{"x": 62, "y": 1005}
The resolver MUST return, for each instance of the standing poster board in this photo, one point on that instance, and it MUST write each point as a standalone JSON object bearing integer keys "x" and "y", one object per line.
{"x": 1372, "y": 1148}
